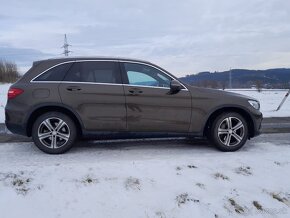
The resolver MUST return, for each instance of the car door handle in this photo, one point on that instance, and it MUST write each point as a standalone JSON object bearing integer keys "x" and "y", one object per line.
{"x": 135, "y": 91}
{"x": 73, "y": 88}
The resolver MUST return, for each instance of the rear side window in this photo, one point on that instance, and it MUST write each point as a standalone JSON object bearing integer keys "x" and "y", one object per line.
{"x": 54, "y": 74}
{"x": 94, "y": 71}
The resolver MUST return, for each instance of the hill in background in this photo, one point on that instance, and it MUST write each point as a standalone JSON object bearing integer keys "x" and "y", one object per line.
{"x": 241, "y": 78}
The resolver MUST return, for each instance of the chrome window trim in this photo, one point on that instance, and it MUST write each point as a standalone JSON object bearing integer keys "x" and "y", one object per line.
{"x": 111, "y": 84}
{"x": 91, "y": 83}
{"x": 65, "y": 62}
{"x": 121, "y": 61}
{"x": 155, "y": 87}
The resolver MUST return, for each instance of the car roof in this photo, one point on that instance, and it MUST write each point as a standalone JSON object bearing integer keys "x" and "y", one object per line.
{"x": 77, "y": 58}
{"x": 54, "y": 61}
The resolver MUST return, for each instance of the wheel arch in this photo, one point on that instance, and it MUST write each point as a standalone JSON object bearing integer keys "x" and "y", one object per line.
{"x": 36, "y": 112}
{"x": 241, "y": 111}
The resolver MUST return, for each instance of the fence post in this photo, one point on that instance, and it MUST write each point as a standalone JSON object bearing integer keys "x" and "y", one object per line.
{"x": 284, "y": 99}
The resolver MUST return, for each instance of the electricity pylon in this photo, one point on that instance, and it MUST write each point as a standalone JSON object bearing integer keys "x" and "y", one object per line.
{"x": 65, "y": 47}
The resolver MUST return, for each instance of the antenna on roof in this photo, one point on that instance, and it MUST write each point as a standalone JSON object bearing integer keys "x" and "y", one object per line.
{"x": 65, "y": 47}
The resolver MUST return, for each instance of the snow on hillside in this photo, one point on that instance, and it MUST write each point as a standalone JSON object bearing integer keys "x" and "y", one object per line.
{"x": 125, "y": 179}
{"x": 269, "y": 99}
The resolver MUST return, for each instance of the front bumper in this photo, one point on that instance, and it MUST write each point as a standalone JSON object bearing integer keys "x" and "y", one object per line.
{"x": 257, "y": 120}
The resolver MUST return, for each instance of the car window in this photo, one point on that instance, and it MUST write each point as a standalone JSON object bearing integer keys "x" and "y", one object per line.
{"x": 54, "y": 74}
{"x": 94, "y": 71}
{"x": 139, "y": 78}
{"x": 140, "y": 74}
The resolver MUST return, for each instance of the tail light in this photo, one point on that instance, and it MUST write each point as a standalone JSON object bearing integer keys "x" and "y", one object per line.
{"x": 14, "y": 92}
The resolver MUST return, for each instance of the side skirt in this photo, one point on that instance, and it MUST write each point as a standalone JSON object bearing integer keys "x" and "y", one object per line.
{"x": 134, "y": 135}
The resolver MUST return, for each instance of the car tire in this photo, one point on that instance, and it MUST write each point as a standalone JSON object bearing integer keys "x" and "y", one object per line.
{"x": 54, "y": 133}
{"x": 229, "y": 132}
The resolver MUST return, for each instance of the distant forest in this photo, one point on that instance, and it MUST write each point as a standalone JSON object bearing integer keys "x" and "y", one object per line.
{"x": 272, "y": 78}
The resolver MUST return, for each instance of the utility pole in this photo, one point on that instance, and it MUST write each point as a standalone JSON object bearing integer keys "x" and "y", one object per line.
{"x": 65, "y": 47}
{"x": 230, "y": 75}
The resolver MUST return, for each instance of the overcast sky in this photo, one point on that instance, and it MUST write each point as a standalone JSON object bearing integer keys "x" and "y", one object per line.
{"x": 183, "y": 36}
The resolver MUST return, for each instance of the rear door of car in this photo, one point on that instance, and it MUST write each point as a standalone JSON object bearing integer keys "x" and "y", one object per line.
{"x": 150, "y": 106}
{"x": 94, "y": 90}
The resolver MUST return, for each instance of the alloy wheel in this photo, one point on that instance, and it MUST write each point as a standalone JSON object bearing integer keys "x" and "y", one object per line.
{"x": 231, "y": 131}
{"x": 53, "y": 132}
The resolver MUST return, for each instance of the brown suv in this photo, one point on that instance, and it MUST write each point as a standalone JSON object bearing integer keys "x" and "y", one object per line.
{"x": 58, "y": 100}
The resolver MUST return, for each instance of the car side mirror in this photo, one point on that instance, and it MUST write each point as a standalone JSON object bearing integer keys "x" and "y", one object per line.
{"x": 175, "y": 87}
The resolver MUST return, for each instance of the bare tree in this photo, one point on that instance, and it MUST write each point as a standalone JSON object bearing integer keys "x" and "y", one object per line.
{"x": 8, "y": 72}
{"x": 258, "y": 84}
{"x": 208, "y": 84}
{"x": 223, "y": 85}
{"x": 213, "y": 84}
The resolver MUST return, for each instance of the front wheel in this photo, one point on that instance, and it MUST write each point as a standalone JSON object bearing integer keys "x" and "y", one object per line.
{"x": 229, "y": 131}
{"x": 54, "y": 133}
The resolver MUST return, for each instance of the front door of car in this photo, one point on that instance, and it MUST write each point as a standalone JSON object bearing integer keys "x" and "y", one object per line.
{"x": 150, "y": 105}
{"x": 95, "y": 91}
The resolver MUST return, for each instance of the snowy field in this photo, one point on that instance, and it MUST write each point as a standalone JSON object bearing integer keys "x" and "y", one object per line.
{"x": 3, "y": 99}
{"x": 269, "y": 99}
{"x": 147, "y": 179}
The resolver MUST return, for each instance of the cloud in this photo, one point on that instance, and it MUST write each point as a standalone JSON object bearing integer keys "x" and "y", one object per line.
{"x": 23, "y": 56}
{"x": 182, "y": 36}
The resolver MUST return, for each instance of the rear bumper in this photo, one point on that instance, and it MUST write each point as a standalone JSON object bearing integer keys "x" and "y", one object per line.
{"x": 16, "y": 128}
{"x": 14, "y": 122}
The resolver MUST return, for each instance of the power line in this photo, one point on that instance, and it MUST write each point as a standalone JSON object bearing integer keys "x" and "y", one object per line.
{"x": 65, "y": 46}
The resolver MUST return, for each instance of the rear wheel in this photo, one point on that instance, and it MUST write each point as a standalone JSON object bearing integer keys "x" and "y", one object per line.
{"x": 229, "y": 131}
{"x": 54, "y": 133}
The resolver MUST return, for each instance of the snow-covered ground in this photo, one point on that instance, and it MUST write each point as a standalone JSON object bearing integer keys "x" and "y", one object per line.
{"x": 147, "y": 179}
{"x": 3, "y": 99}
{"x": 269, "y": 99}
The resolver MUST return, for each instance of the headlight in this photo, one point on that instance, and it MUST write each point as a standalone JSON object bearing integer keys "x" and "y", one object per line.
{"x": 255, "y": 104}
